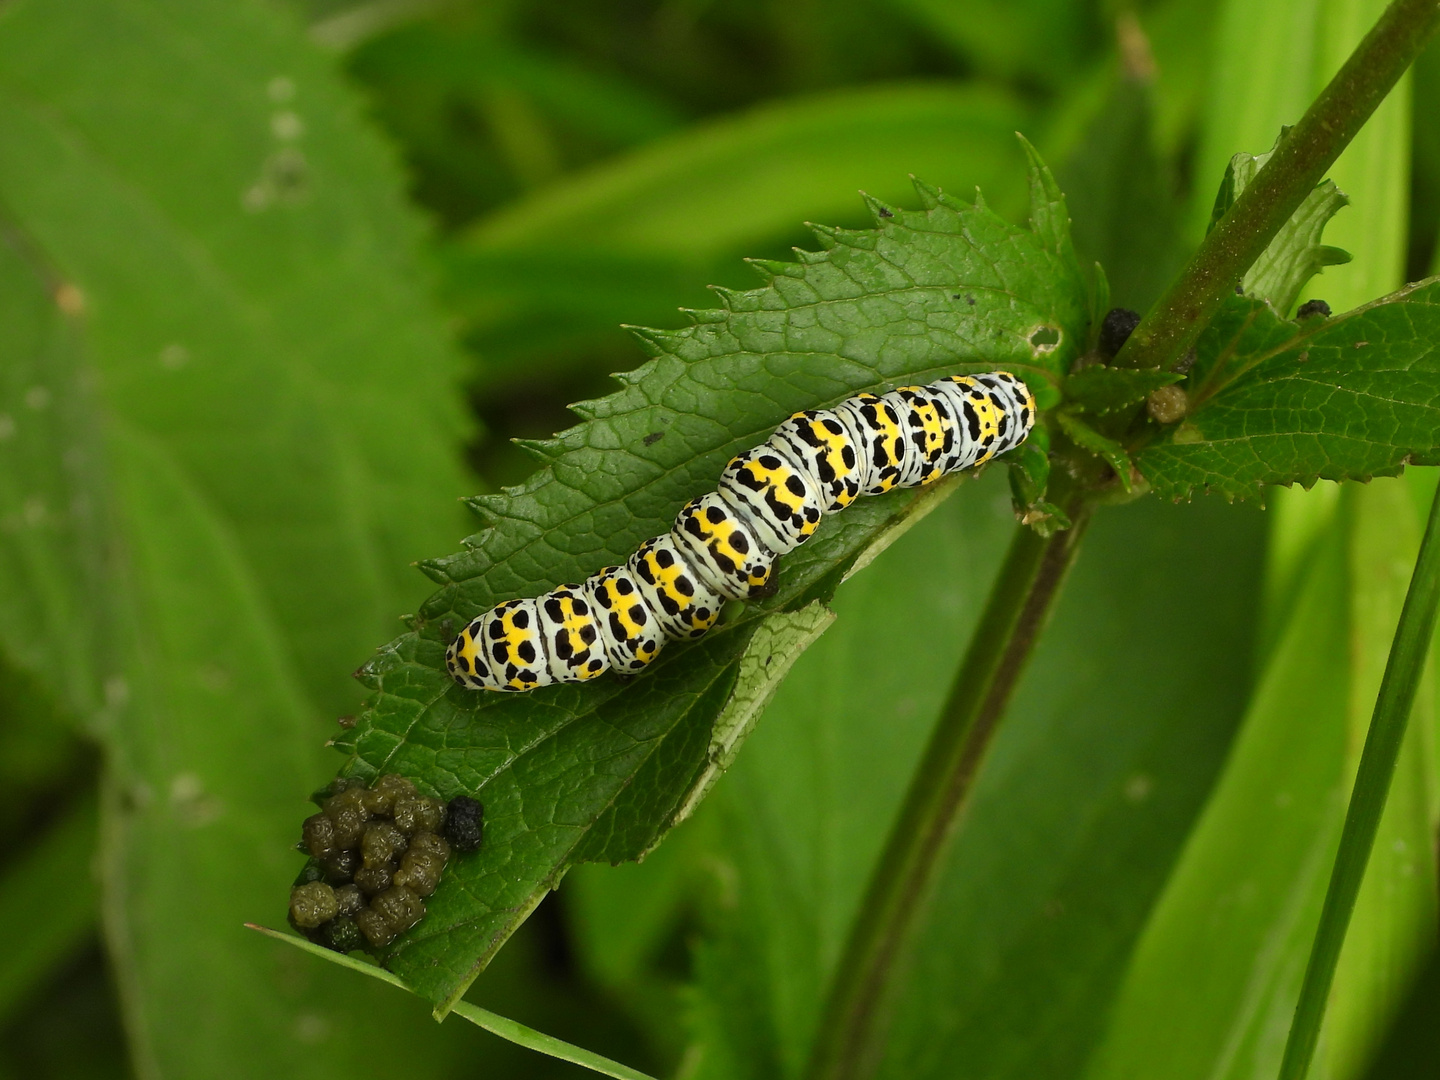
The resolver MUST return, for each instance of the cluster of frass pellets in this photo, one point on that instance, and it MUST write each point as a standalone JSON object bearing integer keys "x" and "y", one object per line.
{"x": 375, "y": 853}
{"x": 724, "y": 544}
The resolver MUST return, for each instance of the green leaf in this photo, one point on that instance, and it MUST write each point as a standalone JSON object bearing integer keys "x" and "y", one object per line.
{"x": 631, "y": 239}
{"x": 502, "y": 1026}
{"x": 52, "y": 503}
{"x": 951, "y": 287}
{"x": 1080, "y": 808}
{"x": 1038, "y": 39}
{"x": 482, "y": 117}
{"x": 736, "y": 181}
{"x": 1100, "y": 390}
{"x": 1213, "y": 982}
{"x": 233, "y": 423}
{"x": 1296, "y": 254}
{"x": 1107, "y": 449}
{"x": 1350, "y": 397}
{"x": 1370, "y": 944}
{"x": 1123, "y": 197}
{"x": 1245, "y": 896}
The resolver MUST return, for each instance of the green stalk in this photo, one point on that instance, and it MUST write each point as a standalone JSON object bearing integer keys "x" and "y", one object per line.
{"x": 503, "y": 1026}
{"x": 1300, "y": 162}
{"x": 849, "y": 1036}
{"x": 1367, "y": 801}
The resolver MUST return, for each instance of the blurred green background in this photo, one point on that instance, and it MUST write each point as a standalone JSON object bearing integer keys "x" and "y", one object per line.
{"x": 279, "y": 282}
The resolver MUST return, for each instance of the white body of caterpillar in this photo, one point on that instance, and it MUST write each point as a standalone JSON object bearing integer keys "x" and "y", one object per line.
{"x": 724, "y": 544}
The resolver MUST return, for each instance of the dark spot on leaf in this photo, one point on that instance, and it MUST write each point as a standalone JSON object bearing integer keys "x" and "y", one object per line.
{"x": 653, "y": 438}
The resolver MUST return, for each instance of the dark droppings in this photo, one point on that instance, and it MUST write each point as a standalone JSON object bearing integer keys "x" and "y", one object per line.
{"x": 1119, "y": 324}
{"x": 375, "y": 853}
{"x": 464, "y": 823}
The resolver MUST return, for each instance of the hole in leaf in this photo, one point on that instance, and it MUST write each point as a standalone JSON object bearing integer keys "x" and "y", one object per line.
{"x": 1045, "y": 338}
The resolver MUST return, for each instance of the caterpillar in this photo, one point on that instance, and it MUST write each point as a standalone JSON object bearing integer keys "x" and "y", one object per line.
{"x": 724, "y": 544}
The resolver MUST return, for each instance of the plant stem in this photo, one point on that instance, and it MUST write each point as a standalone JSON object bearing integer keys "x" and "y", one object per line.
{"x": 1367, "y": 801}
{"x": 1300, "y": 162}
{"x": 847, "y": 1041}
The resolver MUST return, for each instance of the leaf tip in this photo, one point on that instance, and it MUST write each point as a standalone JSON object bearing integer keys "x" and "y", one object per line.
{"x": 434, "y": 571}
{"x": 928, "y": 194}
{"x": 878, "y": 210}
{"x": 544, "y": 451}
{"x": 654, "y": 342}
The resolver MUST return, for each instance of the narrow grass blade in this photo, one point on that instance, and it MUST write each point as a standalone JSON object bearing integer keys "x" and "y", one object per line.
{"x": 492, "y": 1022}
{"x": 1367, "y": 801}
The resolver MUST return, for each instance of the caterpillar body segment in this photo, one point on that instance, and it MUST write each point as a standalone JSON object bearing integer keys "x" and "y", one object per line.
{"x": 509, "y": 635}
{"x": 683, "y": 604}
{"x": 629, "y": 633}
{"x": 976, "y": 412}
{"x": 884, "y": 448}
{"x": 723, "y": 549}
{"x": 466, "y": 659}
{"x": 776, "y": 493}
{"x": 930, "y": 427}
{"x": 825, "y": 443}
{"x": 724, "y": 544}
{"x": 1017, "y": 405}
{"x": 570, "y": 635}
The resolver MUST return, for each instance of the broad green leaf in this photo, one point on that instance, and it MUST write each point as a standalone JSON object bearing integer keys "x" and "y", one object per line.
{"x": 1101, "y": 390}
{"x": 1296, "y": 254}
{"x": 1412, "y": 1045}
{"x": 214, "y": 276}
{"x": 1122, "y": 196}
{"x": 1350, "y": 397}
{"x": 52, "y": 500}
{"x": 1084, "y": 800}
{"x": 1207, "y": 987}
{"x": 700, "y": 192}
{"x": 630, "y": 240}
{"x": 483, "y": 117}
{"x": 1239, "y": 912}
{"x": 223, "y": 367}
{"x": 599, "y": 772}
{"x": 1424, "y": 216}
{"x": 1393, "y": 925}
{"x": 1040, "y": 39}
{"x": 1265, "y": 75}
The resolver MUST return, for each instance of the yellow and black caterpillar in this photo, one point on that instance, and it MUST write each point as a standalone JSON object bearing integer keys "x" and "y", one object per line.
{"x": 724, "y": 544}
